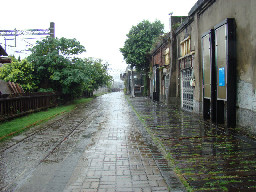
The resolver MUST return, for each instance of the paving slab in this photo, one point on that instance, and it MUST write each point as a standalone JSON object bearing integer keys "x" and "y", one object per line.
{"x": 101, "y": 146}
{"x": 206, "y": 157}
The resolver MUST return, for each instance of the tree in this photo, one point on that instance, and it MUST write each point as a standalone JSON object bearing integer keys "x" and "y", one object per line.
{"x": 71, "y": 79}
{"x": 54, "y": 67}
{"x": 49, "y": 57}
{"x": 83, "y": 75}
{"x": 19, "y": 72}
{"x": 98, "y": 73}
{"x": 137, "y": 46}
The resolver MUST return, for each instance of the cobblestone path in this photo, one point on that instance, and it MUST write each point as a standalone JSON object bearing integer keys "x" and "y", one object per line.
{"x": 119, "y": 159}
{"x": 207, "y": 157}
{"x": 99, "y": 147}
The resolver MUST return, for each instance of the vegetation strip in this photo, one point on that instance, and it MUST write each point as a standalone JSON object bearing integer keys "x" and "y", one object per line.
{"x": 26, "y": 127}
{"x": 16, "y": 126}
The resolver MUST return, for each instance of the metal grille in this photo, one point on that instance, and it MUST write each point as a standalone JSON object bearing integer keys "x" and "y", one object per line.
{"x": 187, "y": 90}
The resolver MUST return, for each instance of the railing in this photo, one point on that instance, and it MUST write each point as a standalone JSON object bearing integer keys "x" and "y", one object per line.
{"x": 20, "y": 104}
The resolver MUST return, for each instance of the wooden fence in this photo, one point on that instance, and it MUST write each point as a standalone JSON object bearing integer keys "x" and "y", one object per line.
{"x": 20, "y": 104}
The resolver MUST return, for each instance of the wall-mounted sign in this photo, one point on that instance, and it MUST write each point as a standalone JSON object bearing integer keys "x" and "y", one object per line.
{"x": 222, "y": 77}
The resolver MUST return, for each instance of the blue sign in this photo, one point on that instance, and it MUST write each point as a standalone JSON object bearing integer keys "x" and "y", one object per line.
{"x": 222, "y": 77}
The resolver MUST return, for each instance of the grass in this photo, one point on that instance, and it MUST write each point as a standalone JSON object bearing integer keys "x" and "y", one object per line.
{"x": 14, "y": 127}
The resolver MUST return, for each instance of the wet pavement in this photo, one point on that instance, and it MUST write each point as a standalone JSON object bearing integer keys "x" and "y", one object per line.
{"x": 204, "y": 156}
{"x": 113, "y": 143}
{"x": 101, "y": 146}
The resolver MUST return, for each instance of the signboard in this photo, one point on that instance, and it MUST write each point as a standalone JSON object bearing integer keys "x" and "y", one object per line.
{"x": 222, "y": 77}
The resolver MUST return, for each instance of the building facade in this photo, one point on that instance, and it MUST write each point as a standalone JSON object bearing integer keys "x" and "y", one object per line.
{"x": 213, "y": 52}
{"x": 133, "y": 82}
{"x": 160, "y": 70}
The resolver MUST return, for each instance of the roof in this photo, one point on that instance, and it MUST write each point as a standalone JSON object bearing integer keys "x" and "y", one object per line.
{"x": 2, "y": 51}
{"x": 162, "y": 40}
{"x": 198, "y": 5}
{"x": 5, "y": 59}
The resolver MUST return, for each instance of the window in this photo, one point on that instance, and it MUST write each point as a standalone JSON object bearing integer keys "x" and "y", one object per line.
{"x": 185, "y": 46}
{"x": 167, "y": 56}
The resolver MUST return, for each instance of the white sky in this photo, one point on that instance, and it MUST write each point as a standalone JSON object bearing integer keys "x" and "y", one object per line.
{"x": 100, "y": 25}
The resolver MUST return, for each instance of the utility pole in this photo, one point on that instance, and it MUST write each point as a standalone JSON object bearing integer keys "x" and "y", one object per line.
{"x": 132, "y": 83}
{"x": 15, "y": 35}
{"x": 50, "y": 31}
{"x": 5, "y": 44}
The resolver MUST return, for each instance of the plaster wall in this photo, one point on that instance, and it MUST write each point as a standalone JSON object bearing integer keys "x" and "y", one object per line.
{"x": 201, "y": 21}
{"x": 244, "y": 14}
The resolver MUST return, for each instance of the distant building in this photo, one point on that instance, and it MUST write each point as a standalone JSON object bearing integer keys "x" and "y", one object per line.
{"x": 4, "y": 57}
{"x": 2, "y": 51}
{"x": 133, "y": 82}
{"x": 160, "y": 69}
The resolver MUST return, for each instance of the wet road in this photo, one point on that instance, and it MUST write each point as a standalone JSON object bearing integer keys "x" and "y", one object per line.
{"x": 101, "y": 146}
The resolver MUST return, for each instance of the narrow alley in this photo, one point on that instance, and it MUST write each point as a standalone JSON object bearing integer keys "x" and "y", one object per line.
{"x": 107, "y": 145}
{"x": 99, "y": 147}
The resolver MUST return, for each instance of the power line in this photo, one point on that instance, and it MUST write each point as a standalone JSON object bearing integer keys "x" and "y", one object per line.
{"x": 27, "y": 32}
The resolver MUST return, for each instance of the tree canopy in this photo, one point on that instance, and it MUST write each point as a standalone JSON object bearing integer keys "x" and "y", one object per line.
{"x": 140, "y": 39}
{"x": 83, "y": 75}
{"x": 20, "y": 72}
{"x": 54, "y": 66}
{"x": 50, "y": 56}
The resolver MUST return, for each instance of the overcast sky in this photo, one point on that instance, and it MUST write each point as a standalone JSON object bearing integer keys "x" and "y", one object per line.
{"x": 100, "y": 25}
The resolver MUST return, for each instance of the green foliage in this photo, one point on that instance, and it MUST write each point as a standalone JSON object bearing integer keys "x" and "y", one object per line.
{"x": 97, "y": 71}
{"x": 53, "y": 66}
{"x": 57, "y": 68}
{"x": 45, "y": 90}
{"x": 137, "y": 46}
{"x": 50, "y": 57}
{"x": 83, "y": 75}
{"x": 20, "y": 72}
{"x": 72, "y": 78}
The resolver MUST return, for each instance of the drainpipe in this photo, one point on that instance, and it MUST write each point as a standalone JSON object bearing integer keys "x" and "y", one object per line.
{"x": 132, "y": 83}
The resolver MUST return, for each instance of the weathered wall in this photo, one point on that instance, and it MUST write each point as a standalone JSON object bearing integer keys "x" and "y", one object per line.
{"x": 157, "y": 58}
{"x": 4, "y": 89}
{"x": 190, "y": 30}
{"x": 196, "y": 45}
{"x": 173, "y": 96}
{"x": 200, "y": 22}
{"x": 172, "y": 99}
{"x": 244, "y": 14}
